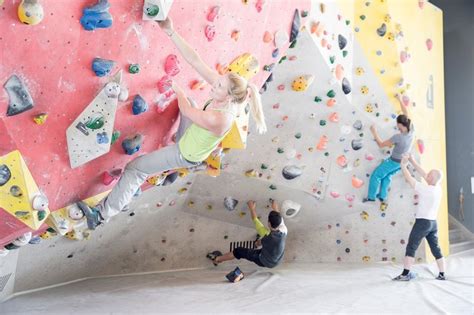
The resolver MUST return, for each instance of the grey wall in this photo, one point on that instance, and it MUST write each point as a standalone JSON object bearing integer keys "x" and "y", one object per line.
{"x": 459, "y": 90}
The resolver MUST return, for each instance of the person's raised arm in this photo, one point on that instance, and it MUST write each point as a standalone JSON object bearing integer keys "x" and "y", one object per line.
{"x": 402, "y": 106}
{"x": 188, "y": 53}
{"x": 406, "y": 173}
{"x": 418, "y": 168}
{"x": 380, "y": 142}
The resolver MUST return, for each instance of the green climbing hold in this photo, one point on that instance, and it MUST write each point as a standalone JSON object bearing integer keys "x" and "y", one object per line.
{"x": 115, "y": 136}
{"x": 317, "y": 99}
{"x": 51, "y": 230}
{"x": 280, "y": 150}
{"x": 282, "y": 59}
{"x": 348, "y": 22}
{"x": 152, "y": 10}
{"x": 298, "y": 135}
{"x": 362, "y": 17}
{"x": 304, "y": 13}
{"x": 226, "y": 237}
{"x": 273, "y": 187}
{"x": 361, "y": 134}
{"x": 344, "y": 53}
{"x": 264, "y": 166}
{"x": 326, "y": 154}
{"x": 331, "y": 93}
{"x": 41, "y": 215}
{"x": 293, "y": 44}
{"x": 322, "y": 122}
{"x": 332, "y": 59}
{"x": 134, "y": 68}
{"x": 95, "y": 123}
{"x": 377, "y": 114}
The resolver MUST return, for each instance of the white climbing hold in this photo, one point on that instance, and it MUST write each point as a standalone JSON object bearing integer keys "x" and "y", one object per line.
{"x": 290, "y": 208}
{"x": 40, "y": 202}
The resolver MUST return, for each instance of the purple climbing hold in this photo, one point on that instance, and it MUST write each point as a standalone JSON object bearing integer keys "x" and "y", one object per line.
{"x": 346, "y": 86}
{"x": 139, "y": 105}
{"x": 356, "y": 144}
{"x": 102, "y": 67}
{"x": 170, "y": 179}
{"x": 20, "y": 98}
{"x": 132, "y": 145}
{"x": 291, "y": 172}
{"x": 295, "y": 26}
{"x": 342, "y": 41}
{"x": 275, "y": 53}
{"x": 230, "y": 203}
{"x": 96, "y": 16}
{"x": 5, "y": 174}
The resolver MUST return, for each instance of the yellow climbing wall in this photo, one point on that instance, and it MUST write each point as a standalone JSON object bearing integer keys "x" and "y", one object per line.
{"x": 415, "y": 22}
{"x": 20, "y": 206}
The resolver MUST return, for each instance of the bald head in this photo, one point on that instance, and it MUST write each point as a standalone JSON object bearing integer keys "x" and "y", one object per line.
{"x": 434, "y": 177}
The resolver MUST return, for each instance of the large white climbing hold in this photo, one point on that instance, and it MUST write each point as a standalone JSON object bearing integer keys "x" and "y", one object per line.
{"x": 290, "y": 208}
{"x": 280, "y": 39}
{"x": 40, "y": 202}
{"x": 156, "y": 10}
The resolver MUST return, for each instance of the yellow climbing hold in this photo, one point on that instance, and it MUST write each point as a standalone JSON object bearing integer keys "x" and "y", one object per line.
{"x": 364, "y": 90}
{"x": 40, "y": 118}
{"x": 369, "y": 108}
{"x": 301, "y": 83}
{"x": 364, "y": 215}
{"x": 245, "y": 65}
{"x": 359, "y": 71}
{"x": 30, "y": 12}
{"x": 366, "y": 258}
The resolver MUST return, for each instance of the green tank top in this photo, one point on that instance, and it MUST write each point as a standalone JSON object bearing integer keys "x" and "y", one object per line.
{"x": 198, "y": 143}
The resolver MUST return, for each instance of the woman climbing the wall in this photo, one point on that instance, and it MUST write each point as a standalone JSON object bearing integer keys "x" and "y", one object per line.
{"x": 402, "y": 142}
{"x": 199, "y": 133}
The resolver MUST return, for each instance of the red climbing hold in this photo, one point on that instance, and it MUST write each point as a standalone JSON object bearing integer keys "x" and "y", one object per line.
{"x": 172, "y": 65}
{"x": 429, "y": 44}
{"x": 109, "y": 177}
{"x": 259, "y": 5}
{"x": 213, "y": 13}
{"x": 164, "y": 85}
{"x": 210, "y": 32}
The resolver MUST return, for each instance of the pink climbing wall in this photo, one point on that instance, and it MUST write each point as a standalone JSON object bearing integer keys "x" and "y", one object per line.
{"x": 54, "y": 60}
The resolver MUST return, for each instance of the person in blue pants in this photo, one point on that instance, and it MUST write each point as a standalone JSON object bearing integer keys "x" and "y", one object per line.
{"x": 402, "y": 142}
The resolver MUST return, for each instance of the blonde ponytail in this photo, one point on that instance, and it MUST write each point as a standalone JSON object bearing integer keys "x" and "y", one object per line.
{"x": 256, "y": 109}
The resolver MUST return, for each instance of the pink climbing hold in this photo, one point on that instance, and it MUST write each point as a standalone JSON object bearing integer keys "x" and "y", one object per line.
{"x": 334, "y": 117}
{"x": 369, "y": 157}
{"x": 210, "y": 32}
{"x": 292, "y": 58}
{"x": 341, "y": 161}
{"x": 421, "y": 4}
{"x": 164, "y": 84}
{"x": 350, "y": 197}
{"x": 324, "y": 42}
{"x": 323, "y": 143}
{"x": 267, "y": 37}
{"x": 339, "y": 72}
{"x": 421, "y": 146}
{"x": 334, "y": 194}
{"x": 109, "y": 177}
{"x": 356, "y": 182}
{"x": 213, "y": 13}
{"x": 331, "y": 102}
{"x": 281, "y": 87}
{"x": 259, "y": 5}
{"x": 172, "y": 65}
{"x": 404, "y": 56}
{"x": 429, "y": 44}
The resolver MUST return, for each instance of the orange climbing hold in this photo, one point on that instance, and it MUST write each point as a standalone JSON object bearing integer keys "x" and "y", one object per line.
{"x": 267, "y": 37}
{"x": 301, "y": 83}
{"x": 339, "y": 72}
{"x": 356, "y": 182}
{"x": 323, "y": 143}
{"x": 198, "y": 84}
{"x": 331, "y": 102}
{"x": 341, "y": 161}
{"x": 235, "y": 35}
{"x": 334, "y": 117}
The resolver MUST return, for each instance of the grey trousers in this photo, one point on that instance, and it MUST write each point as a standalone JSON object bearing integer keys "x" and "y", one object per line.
{"x": 138, "y": 170}
{"x": 424, "y": 228}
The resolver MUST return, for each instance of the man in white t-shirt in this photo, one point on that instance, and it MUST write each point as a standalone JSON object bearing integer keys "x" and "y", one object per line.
{"x": 429, "y": 199}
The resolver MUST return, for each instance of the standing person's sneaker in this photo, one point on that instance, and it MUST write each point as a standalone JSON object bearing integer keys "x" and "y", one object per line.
{"x": 441, "y": 277}
{"x": 92, "y": 214}
{"x": 408, "y": 277}
{"x": 364, "y": 200}
{"x": 212, "y": 256}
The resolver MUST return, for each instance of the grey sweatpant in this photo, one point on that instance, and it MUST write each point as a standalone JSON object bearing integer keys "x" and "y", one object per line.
{"x": 424, "y": 228}
{"x": 137, "y": 171}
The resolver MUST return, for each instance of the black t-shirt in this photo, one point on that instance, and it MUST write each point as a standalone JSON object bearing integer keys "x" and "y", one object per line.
{"x": 273, "y": 248}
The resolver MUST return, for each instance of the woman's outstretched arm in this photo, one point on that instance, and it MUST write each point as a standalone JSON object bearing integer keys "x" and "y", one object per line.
{"x": 188, "y": 53}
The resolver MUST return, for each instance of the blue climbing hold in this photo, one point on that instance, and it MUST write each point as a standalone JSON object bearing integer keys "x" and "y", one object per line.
{"x": 96, "y": 16}
{"x": 102, "y": 138}
{"x": 102, "y": 67}
{"x": 275, "y": 53}
{"x": 295, "y": 26}
{"x": 139, "y": 105}
{"x": 132, "y": 145}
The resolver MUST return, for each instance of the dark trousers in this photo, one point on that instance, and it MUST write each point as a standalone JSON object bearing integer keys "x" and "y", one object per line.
{"x": 424, "y": 228}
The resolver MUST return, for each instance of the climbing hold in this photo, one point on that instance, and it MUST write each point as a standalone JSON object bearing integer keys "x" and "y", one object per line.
{"x": 332, "y": 59}
{"x": 164, "y": 84}
{"x": 259, "y": 5}
{"x": 267, "y": 37}
{"x": 102, "y": 67}
{"x": 317, "y": 99}
{"x": 331, "y": 93}
{"x": 252, "y": 173}
{"x": 40, "y": 202}
{"x": 364, "y": 90}
{"x": 115, "y": 136}
{"x": 346, "y": 86}
{"x": 291, "y": 172}
{"x": 331, "y": 102}
{"x": 133, "y": 144}
{"x": 342, "y": 41}
{"x": 275, "y": 53}
{"x": 16, "y": 191}
{"x": 334, "y": 117}
{"x": 357, "y": 125}
{"x": 280, "y": 38}
{"x": 404, "y": 56}
{"x": 40, "y": 118}
{"x": 210, "y": 32}
{"x": 323, "y": 143}
{"x": 356, "y": 182}
{"x": 356, "y": 144}
{"x": 359, "y": 71}
{"x": 95, "y": 122}
{"x": 20, "y": 98}
{"x": 5, "y": 174}
{"x": 344, "y": 53}
{"x": 198, "y": 85}
{"x": 429, "y": 44}
{"x": 322, "y": 122}
{"x": 134, "y": 68}
{"x": 280, "y": 150}
{"x": 213, "y": 13}
{"x": 378, "y": 53}
{"x": 421, "y": 146}
{"x": 96, "y": 16}
{"x": 30, "y": 12}
{"x": 345, "y": 130}
{"x": 268, "y": 68}
{"x": 298, "y": 135}
{"x": 170, "y": 179}
{"x": 341, "y": 161}
{"x": 151, "y": 10}
{"x": 369, "y": 157}
{"x": 172, "y": 65}
{"x": 295, "y": 26}
{"x": 382, "y": 30}
{"x": 272, "y": 187}
{"x": 230, "y": 203}
{"x": 235, "y": 35}
{"x": 364, "y": 215}
{"x": 139, "y": 105}
{"x": 334, "y": 194}
{"x": 301, "y": 83}
{"x": 362, "y": 17}
{"x": 290, "y": 208}
{"x": 339, "y": 72}
{"x": 109, "y": 177}
{"x": 123, "y": 95}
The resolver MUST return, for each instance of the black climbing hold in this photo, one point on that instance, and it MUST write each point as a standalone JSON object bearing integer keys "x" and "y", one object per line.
{"x": 291, "y": 172}
{"x": 342, "y": 41}
{"x": 230, "y": 203}
{"x": 346, "y": 86}
{"x": 358, "y": 125}
{"x": 282, "y": 59}
{"x": 356, "y": 144}
{"x": 270, "y": 78}
{"x": 348, "y": 250}
{"x": 293, "y": 44}
{"x": 70, "y": 256}
{"x": 132, "y": 214}
{"x": 139, "y": 105}
{"x": 20, "y": 98}
{"x": 295, "y": 26}
{"x": 191, "y": 230}
{"x": 170, "y": 179}
{"x": 5, "y": 174}
{"x": 102, "y": 67}
{"x": 382, "y": 30}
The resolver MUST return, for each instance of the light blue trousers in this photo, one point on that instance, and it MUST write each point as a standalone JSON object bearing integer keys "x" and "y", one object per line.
{"x": 382, "y": 177}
